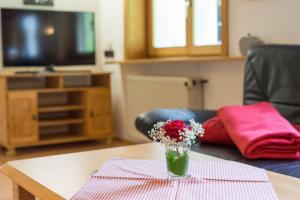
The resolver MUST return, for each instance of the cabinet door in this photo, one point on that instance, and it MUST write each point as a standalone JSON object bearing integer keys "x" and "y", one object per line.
{"x": 99, "y": 115}
{"x": 22, "y": 115}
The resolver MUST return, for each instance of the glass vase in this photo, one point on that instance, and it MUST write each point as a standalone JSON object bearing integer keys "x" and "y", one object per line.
{"x": 177, "y": 157}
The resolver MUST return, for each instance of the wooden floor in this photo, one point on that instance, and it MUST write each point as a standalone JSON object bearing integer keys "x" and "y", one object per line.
{"x": 5, "y": 183}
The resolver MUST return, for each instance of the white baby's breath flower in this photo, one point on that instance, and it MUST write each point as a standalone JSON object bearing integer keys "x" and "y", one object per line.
{"x": 187, "y": 137}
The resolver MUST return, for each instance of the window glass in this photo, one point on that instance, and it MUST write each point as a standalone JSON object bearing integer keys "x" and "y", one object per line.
{"x": 169, "y": 23}
{"x": 207, "y": 22}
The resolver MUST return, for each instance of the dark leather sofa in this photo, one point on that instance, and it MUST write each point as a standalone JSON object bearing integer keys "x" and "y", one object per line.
{"x": 272, "y": 73}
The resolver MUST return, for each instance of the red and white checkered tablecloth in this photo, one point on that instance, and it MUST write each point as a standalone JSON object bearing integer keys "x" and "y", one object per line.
{"x": 122, "y": 179}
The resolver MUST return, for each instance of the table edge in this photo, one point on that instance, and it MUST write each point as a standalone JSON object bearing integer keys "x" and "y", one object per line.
{"x": 29, "y": 184}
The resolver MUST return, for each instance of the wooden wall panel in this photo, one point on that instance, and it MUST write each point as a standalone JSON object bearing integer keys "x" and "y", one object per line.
{"x": 135, "y": 29}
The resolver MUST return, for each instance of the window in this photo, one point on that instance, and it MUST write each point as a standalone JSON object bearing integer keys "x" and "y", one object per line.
{"x": 187, "y": 27}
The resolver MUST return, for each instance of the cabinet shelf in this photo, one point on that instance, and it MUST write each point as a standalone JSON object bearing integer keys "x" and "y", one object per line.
{"x": 61, "y": 108}
{"x": 56, "y": 90}
{"x": 60, "y": 122}
{"x": 66, "y": 137}
{"x": 54, "y": 108}
{"x": 59, "y": 139}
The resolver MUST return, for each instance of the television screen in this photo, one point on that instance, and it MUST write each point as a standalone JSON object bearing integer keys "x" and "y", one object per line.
{"x": 44, "y": 38}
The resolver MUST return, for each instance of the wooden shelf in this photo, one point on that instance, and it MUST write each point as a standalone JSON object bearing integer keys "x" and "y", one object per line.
{"x": 54, "y": 90}
{"x": 55, "y": 81}
{"x": 176, "y": 60}
{"x": 56, "y": 74}
{"x": 63, "y": 138}
{"x": 61, "y": 108}
{"x": 62, "y": 90}
{"x": 60, "y": 139}
{"x": 60, "y": 122}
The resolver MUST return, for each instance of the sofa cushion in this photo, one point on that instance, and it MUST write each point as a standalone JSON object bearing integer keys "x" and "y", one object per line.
{"x": 145, "y": 121}
{"x": 287, "y": 167}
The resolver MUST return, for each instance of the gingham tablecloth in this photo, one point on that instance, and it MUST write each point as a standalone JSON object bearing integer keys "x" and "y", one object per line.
{"x": 122, "y": 179}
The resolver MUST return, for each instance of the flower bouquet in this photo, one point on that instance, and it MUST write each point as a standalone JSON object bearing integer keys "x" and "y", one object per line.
{"x": 178, "y": 138}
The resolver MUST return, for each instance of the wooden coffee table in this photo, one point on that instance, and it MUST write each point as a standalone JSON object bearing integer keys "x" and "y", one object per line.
{"x": 60, "y": 177}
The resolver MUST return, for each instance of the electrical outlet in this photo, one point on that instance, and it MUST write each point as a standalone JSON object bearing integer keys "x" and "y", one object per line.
{"x": 109, "y": 54}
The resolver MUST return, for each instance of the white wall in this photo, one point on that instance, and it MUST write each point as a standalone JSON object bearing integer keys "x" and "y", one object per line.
{"x": 275, "y": 21}
{"x": 112, "y": 33}
{"x": 62, "y": 5}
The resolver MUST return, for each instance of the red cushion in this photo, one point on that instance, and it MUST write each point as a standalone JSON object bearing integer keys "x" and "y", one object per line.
{"x": 215, "y": 133}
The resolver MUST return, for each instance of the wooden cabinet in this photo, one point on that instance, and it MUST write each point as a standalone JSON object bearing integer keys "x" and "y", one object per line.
{"x": 22, "y": 117}
{"x": 44, "y": 109}
{"x": 98, "y": 112}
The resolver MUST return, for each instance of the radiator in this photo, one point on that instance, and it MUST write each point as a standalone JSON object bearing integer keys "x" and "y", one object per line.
{"x": 145, "y": 93}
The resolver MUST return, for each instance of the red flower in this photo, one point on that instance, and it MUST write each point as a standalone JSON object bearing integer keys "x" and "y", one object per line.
{"x": 173, "y": 128}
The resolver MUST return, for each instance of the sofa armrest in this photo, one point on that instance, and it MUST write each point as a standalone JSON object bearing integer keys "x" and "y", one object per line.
{"x": 145, "y": 121}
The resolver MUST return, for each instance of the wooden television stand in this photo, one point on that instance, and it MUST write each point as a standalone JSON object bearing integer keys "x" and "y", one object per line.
{"x": 44, "y": 109}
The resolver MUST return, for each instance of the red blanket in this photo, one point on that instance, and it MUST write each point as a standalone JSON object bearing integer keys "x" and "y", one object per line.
{"x": 258, "y": 130}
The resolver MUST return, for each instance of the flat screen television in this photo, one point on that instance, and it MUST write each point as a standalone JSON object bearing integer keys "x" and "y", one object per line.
{"x": 34, "y": 38}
